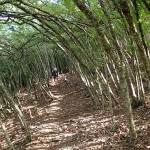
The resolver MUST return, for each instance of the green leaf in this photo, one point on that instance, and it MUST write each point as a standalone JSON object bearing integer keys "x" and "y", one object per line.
{"x": 69, "y": 5}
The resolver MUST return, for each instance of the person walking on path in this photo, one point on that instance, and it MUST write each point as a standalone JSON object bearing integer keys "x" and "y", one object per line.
{"x": 55, "y": 74}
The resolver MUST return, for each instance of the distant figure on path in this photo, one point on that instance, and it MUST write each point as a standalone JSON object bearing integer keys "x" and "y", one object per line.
{"x": 55, "y": 74}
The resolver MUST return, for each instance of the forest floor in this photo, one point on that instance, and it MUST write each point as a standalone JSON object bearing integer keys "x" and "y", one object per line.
{"x": 71, "y": 122}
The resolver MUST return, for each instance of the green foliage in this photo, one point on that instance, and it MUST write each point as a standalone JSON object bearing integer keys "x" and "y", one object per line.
{"x": 26, "y": 56}
{"x": 31, "y": 97}
{"x": 69, "y": 5}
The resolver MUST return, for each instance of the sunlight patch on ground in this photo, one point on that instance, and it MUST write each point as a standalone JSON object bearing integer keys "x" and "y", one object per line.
{"x": 66, "y": 148}
{"x": 68, "y": 134}
{"x": 59, "y": 97}
{"x": 48, "y": 125}
{"x": 55, "y": 108}
{"x": 55, "y": 103}
{"x": 22, "y": 94}
{"x": 37, "y": 147}
{"x": 29, "y": 107}
{"x": 46, "y": 130}
{"x": 105, "y": 120}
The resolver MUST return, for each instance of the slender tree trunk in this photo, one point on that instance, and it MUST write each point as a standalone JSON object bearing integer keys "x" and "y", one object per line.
{"x": 115, "y": 41}
{"x": 137, "y": 13}
{"x": 127, "y": 102}
{"x": 6, "y": 135}
{"x": 95, "y": 22}
{"x": 110, "y": 100}
{"x": 17, "y": 110}
{"x": 133, "y": 31}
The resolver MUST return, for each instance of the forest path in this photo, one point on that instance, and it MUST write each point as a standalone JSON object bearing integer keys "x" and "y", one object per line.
{"x": 61, "y": 124}
{"x": 71, "y": 122}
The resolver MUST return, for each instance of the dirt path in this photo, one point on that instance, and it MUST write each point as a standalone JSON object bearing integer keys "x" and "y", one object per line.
{"x": 71, "y": 122}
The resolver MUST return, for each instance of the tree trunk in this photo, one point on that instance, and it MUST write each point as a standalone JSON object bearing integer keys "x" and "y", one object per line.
{"x": 127, "y": 102}
{"x": 6, "y": 135}
{"x": 17, "y": 110}
{"x": 133, "y": 31}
